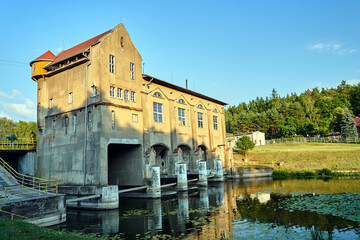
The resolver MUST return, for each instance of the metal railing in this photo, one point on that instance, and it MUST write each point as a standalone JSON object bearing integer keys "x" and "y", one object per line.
{"x": 12, "y": 215}
{"x": 20, "y": 144}
{"x": 28, "y": 185}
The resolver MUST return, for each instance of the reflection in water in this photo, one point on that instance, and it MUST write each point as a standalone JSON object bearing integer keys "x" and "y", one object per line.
{"x": 234, "y": 209}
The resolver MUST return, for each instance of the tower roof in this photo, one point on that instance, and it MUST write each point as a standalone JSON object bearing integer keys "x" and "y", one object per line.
{"x": 78, "y": 48}
{"x": 48, "y": 56}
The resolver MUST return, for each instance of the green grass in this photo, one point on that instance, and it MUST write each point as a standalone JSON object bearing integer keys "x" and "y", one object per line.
{"x": 17, "y": 229}
{"x": 305, "y": 156}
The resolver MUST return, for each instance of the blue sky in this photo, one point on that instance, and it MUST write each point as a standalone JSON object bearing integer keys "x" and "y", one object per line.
{"x": 233, "y": 51}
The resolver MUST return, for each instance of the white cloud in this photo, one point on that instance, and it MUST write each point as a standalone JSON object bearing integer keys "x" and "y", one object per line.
{"x": 353, "y": 81}
{"x": 17, "y": 107}
{"x": 331, "y": 47}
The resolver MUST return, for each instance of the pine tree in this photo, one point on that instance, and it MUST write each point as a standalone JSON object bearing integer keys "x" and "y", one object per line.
{"x": 348, "y": 127}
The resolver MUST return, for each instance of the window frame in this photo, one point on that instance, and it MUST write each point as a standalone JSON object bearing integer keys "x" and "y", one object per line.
{"x": 132, "y": 70}
{"x": 70, "y": 97}
{"x": 126, "y": 95}
{"x": 119, "y": 93}
{"x": 111, "y": 63}
{"x": 112, "y": 91}
{"x": 158, "y": 112}
{"x": 200, "y": 119}
{"x": 182, "y": 116}
{"x": 215, "y": 123}
{"x": 132, "y": 96}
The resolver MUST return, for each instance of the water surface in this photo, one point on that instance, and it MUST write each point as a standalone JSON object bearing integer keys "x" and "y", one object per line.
{"x": 247, "y": 209}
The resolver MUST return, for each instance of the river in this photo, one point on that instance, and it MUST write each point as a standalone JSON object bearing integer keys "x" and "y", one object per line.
{"x": 246, "y": 209}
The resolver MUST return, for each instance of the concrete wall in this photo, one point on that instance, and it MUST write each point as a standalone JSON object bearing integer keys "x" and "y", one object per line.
{"x": 46, "y": 210}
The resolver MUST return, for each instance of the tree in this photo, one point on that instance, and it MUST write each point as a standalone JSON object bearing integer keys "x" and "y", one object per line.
{"x": 289, "y": 127}
{"x": 348, "y": 127}
{"x": 244, "y": 144}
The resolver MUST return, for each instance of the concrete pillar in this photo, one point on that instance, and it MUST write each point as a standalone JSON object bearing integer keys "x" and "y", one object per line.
{"x": 218, "y": 171}
{"x": 202, "y": 171}
{"x": 181, "y": 173}
{"x": 153, "y": 183}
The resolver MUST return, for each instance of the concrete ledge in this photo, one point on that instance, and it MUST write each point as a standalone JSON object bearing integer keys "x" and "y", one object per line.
{"x": 91, "y": 197}
{"x": 46, "y": 211}
{"x": 250, "y": 172}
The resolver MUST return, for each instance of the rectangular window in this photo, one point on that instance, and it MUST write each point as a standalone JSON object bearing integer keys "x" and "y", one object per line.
{"x": 70, "y": 97}
{"x": 132, "y": 72}
{"x": 51, "y": 103}
{"x": 66, "y": 124}
{"x": 112, "y": 91}
{"x": 157, "y": 107}
{"x": 119, "y": 93}
{"x": 113, "y": 119}
{"x": 135, "y": 118}
{"x": 75, "y": 122}
{"x": 53, "y": 127}
{"x": 90, "y": 120}
{"x": 215, "y": 121}
{"x": 132, "y": 96}
{"x": 126, "y": 95}
{"x": 94, "y": 90}
{"x": 181, "y": 113}
{"x": 34, "y": 67}
{"x": 200, "y": 120}
{"x": 112, "y": 63}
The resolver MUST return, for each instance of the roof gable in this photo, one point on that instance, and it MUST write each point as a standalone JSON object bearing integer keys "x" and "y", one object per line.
{"x": 48, "y": 56}
{"x": 78, "y": 48}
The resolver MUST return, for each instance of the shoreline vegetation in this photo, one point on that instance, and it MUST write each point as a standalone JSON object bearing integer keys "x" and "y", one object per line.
{"x": 301, "y": 160}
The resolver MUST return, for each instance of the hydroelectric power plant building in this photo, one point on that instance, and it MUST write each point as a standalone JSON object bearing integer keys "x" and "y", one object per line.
{"x": 100, "y": 120}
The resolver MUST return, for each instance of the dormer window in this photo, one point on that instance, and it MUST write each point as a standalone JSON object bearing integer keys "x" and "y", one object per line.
{"x": 200, "y": 106}
{"x": 181, "y": 101}
{"x": 157, "y": 94}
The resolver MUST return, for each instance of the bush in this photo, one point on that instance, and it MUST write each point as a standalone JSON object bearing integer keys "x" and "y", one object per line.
{"x": 326, "y": 172}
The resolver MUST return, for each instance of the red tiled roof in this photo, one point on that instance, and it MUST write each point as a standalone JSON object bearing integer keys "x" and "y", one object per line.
{"x": 176, "y": 150}
{"x": 214, "y": 149}
{"x": 46, "y": 56}
{"x": 78, "y": 48}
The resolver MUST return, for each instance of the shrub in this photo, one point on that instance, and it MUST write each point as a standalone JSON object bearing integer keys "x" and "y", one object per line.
{"x": 326, "y": 172}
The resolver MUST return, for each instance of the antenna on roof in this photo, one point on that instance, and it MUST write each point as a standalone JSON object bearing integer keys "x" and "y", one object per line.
{"x": 63, "y": 46}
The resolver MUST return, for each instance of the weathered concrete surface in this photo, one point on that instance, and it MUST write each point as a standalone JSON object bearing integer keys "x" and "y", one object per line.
{"x": 108, "y": 197}
{"x": 46, "y": 211}
{"x": 6, "y": 179}
{"x": 202, "y": 173}
{"x": 250, "y": 172}
{"x": 26, "y": 164}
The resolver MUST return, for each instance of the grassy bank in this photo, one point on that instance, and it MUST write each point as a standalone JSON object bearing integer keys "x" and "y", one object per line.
{"x": 305, "y": 156}
{"x": 16, "y": 229}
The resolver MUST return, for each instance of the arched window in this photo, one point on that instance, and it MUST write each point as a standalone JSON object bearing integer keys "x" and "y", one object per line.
{"x": 200, "y": 106}
{"x": 157, "y": 94}
{"x": 181, "y": 101}
{"x": 214, "y": 110}
{"x": 122, "y": 42}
